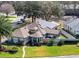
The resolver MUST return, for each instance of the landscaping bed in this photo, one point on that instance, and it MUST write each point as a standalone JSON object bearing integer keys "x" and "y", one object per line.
{"x": 11, "y": 52}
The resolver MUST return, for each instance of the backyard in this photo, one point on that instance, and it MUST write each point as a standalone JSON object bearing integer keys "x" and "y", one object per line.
{"x": 50, "y": 51}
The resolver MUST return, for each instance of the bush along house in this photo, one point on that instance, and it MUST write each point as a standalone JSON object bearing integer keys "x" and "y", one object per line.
{"x": 35, "y": 32}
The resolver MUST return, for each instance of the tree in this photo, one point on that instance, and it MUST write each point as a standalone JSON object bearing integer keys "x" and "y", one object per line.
{"x": 32, "y": 8}
{"x": 52, "y": 8}
{"x": 42, "y": 9}
{"x": 75, "y": 3}
{"x": 19, "y": 7}
{"x": 5, "y": 28}
{"x": 6, "y": 8}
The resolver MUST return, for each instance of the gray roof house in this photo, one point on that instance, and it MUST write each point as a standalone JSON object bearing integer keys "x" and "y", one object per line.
{"x": 72, "y": 26}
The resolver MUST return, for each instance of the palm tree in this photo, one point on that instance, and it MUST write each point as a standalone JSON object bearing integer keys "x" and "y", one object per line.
{"x": 5, "y": 28}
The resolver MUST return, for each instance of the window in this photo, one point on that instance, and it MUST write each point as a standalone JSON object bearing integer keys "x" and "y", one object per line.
{"x": 15, "y": 40}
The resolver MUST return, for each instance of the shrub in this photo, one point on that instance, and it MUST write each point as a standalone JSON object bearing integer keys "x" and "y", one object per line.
{"x": 50, "y": 42}
{"x": 77, "y": 45}
{"x": 61, "y": 43}
{"x": 14, "y": 48}
{"x": 45, "y": 41}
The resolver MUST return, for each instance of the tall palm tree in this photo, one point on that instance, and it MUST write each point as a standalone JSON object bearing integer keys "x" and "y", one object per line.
{"x": 5, "y": 28}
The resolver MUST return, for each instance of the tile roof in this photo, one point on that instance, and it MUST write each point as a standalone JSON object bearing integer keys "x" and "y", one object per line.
{"x": 37, "y": 34}
{"x": 51, "y": 31}
{"x": 21, "y": 32}
{"x": 24, "y": 31}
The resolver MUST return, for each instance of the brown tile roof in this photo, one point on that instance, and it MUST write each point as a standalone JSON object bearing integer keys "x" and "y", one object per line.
{"x": 51, "y": 31}
{"x": 21, "y": 32}
{"x": 31, "y": 26}
{"x": 37, "y": 34}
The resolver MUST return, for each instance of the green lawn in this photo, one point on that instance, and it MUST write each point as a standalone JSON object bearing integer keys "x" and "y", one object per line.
{"x": 8, "y": 55}
{"x": 12, "y": 18}
{"x": 45, "y": 51}
{"x": 62, "y": 37}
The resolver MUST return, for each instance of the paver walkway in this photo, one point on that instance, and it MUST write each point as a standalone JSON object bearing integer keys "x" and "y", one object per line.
{"x": 23, "y": 49}
{"x": 67, "y": 34}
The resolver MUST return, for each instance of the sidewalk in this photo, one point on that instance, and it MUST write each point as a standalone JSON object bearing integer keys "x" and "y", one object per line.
{"x": 70, "y": 56}
{"x": 23, "y": 51}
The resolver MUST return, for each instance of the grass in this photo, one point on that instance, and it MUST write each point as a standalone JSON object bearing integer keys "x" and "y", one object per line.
{"x": 62, "y": 37}
{"x": 46, "y": 51}
{"x": 11, "y": 19}
{"x": 8, "y": 55}
{"x": 11, "y": 16}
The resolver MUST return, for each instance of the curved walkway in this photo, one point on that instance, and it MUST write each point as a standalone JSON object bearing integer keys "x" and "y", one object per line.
{"x": 23, "y": 49}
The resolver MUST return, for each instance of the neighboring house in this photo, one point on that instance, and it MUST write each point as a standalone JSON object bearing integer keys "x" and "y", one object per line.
{"x": 7, "y": 8}
{"x": 71, "y": 12}
{"x": 72, "y": 26}
{"x": 68, "y": 18}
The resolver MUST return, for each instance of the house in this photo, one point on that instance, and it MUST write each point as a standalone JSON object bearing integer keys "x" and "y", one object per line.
{"x": 72, "y": 26}
{"x": 34, "y": 32}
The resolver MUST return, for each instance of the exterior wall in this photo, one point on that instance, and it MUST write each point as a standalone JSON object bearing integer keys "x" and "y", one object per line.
{"x": 17, "y": 39}
{"x": 35, "y": 39}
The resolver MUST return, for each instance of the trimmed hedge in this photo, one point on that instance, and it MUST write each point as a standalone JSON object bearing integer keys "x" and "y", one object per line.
{"x": 50, "y": 42}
